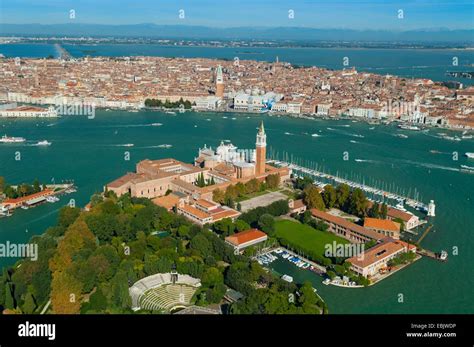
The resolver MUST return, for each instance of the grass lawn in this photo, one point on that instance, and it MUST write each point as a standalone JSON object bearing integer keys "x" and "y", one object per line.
{"x": 305, "y": 236}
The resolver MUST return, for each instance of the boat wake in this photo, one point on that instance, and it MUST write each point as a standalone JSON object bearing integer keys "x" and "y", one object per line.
{"x": 365, "y": 161}
{"x": 124, "y": 145}
{"x": 432, "y": 166}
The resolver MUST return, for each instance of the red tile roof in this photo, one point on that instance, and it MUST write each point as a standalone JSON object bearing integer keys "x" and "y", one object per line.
{"x": 245, "y": 236}
{"x": 381, "y": 224}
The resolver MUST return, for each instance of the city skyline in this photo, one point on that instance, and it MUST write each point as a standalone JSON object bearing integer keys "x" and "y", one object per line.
{"x": 357, "y": 15}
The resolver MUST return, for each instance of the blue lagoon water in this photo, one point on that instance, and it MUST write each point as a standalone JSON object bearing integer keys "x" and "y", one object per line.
{"x": 91, "y": 152}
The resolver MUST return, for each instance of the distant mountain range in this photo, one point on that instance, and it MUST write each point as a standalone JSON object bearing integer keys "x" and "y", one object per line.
{"x": 238, "y": 33}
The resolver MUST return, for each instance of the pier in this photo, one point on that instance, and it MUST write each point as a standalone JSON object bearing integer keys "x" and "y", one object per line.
{"x": 424, "y": 234}
{"x": 429, "y": 254}
{"x": 378, "y": 195}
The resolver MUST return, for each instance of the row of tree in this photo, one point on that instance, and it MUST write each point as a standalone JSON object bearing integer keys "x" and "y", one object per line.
{"x": 21, "y": 190}
{"x": 186, "y": 104}
{"x": 349, "y": 200}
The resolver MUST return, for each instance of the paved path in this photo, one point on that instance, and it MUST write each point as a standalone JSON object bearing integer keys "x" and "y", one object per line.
{"x": 262, "y": 200}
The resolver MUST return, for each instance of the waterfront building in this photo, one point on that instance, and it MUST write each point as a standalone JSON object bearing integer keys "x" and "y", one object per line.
{"x": 384, "y": 227}
{"x": 323, "y": 109}
{"x": 410, "y": 220}
{"x": 28, "y": 200}
{"x": 294, "y": 107}
{"x": 377, "y": 257}
{"x": 361, "y": 112}
{"x": 280, "y": 107}
{"x": 207, "y": 103}
{"x": 29, "y": 112}
{"x": 342, "y": 227}
{"x": 7, "y": 105}
{"x": 246, "y": 239}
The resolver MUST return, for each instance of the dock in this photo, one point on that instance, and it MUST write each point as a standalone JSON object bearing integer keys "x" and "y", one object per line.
{"x": 424, "y": 234}
{"x": 429, "y": 254}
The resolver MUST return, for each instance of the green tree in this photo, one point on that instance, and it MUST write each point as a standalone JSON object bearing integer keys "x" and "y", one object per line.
{"x": 329, "y": 196}
{"x": 252, "y": 186}
{"x": 30, "y": 305}
{"x": 374, "y": 210}
{"x": 36, "y": 186}
{"x": 343, "y": 191}
{"x": 267, "y": 223}
{"x": 312, "y": 198}
{"x": 273, "y": 181}
{"x": 383, "y": 211}
{"x": 9, "y": 301}
{"x": 218, "y": 195}
{"x": 212, "y": 277}
{"x": 358, "y": 203}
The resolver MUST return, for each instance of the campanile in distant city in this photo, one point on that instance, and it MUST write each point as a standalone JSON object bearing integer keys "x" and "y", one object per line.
{"x": 219, "y": 82}
{"x": 261, "y": 150}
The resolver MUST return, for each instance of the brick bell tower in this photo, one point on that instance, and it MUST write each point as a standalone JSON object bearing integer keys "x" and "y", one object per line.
{"x": 261, "y": 150}
{"x": 219, "y": 83}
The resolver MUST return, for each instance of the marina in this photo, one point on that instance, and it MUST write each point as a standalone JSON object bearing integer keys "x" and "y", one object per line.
{"x": 376, "y": 194}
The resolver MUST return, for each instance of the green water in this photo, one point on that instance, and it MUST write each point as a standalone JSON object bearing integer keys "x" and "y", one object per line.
{"x": 90, "y": 152}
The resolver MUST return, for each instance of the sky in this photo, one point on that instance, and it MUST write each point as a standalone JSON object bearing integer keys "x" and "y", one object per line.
{"x": 349, "y": 14}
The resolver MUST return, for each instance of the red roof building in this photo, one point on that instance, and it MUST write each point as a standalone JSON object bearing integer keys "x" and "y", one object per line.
{"x": 246, "y": 238}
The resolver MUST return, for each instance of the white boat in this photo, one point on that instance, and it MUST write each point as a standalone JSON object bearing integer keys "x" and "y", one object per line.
{"x": 8, "y": 139}
{"x": 400, "y": 206}
{"x": 443, "y": 255}
{"x": 315, "y": 135}
{"x": 156, "y": 124}
{"x": 287, "y": 278}
{"x": 24, "y": 207}
{"x": 469, "y": 155}
{"x": 52, "y": 199}
{"x": 408, "y": 127}
{"x": 170, "y": 112}
{"x": 43, "y": 143}
{"x": 403, "y": 136}
{"x": 128, "y": 145}
{"x": 326, "y": 281}
{"x": 165, "y": 146}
